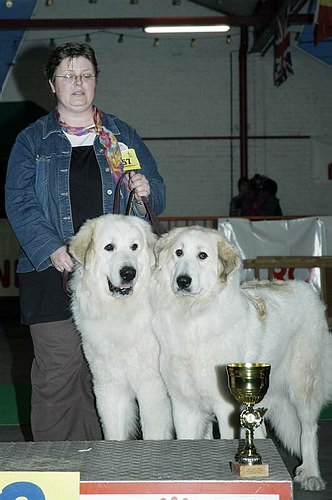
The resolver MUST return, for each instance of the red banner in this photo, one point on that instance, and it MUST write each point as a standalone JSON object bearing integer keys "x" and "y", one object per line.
{"x": 322, "y": 20}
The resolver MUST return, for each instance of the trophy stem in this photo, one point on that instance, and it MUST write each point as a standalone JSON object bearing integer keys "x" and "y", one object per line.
{"x": 249, "y": 454}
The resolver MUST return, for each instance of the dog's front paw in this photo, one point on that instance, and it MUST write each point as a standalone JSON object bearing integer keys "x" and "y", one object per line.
{"x": 307, "y": 481}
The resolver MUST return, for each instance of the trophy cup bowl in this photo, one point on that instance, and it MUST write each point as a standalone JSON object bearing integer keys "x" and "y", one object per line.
{"x": 248, "y": 383}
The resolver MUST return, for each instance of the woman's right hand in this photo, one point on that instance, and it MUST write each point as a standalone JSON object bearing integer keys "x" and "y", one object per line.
{"x": 61, "y": 260}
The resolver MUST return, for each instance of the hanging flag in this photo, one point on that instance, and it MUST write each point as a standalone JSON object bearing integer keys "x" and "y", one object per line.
{"x": 322, "y": 20}
{"x": 282, "y": 56}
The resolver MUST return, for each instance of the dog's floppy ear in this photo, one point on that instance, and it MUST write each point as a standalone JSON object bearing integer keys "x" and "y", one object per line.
{"x": 229, "y": 259}
{"x": 162, "y": 242}
{"x": 147, "y": 232}
{"x": 148, "y": 236}
{"x": 81, "y": 242}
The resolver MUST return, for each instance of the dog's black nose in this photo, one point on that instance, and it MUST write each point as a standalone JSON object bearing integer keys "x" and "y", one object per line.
{"x": 183, "y": 281}
{"x": 127, "y": 274}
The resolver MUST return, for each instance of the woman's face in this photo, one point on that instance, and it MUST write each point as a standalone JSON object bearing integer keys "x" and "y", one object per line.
{"x": 74, "y": 95}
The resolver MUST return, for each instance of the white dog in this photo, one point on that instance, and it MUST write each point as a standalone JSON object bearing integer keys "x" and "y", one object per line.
{"x": 111, "y": 307}
{"x": 204, "y": 320}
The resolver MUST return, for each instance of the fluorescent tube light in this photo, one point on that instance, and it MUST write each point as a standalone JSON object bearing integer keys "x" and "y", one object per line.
{"x": 217, "y": 28}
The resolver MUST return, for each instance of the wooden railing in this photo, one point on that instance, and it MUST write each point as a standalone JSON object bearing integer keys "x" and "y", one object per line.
{"x": 210, "y": 221}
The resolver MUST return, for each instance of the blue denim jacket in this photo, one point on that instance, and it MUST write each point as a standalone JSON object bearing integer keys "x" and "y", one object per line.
{"x": 37, "y": 186}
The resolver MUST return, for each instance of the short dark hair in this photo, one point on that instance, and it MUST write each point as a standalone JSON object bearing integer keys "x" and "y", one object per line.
{"x": 70, "y": 50}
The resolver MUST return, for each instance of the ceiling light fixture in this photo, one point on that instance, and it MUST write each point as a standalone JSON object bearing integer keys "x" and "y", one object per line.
{"x": 217, "y": 28}
{"x": 9, "y": 4}
{"x": 49, "y": 3}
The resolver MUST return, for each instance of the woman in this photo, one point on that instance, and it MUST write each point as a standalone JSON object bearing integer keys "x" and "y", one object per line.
{"x": 62, "y": 171}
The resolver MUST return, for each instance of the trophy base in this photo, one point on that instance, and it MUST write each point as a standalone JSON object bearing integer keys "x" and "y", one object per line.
{"x": 245, "y": 470}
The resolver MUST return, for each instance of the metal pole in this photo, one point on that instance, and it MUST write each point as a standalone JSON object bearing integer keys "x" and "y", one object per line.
{"x": 243, "y": 101}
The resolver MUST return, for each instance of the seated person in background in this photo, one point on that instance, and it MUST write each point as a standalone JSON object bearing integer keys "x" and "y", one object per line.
{"x": 235, "y": 207}
{"x": 261, "y": 197}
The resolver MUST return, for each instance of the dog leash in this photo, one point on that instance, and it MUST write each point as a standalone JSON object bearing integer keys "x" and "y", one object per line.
{"x": 155, "y": 222}
{"x": 65, "y": 282}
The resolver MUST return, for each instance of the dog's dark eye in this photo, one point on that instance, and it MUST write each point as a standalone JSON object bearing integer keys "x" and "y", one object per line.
{"x": 134, "y": 247}
{"x": 178, "y": 252}
{"x": 202, "y": 255}
{"x": 109, "y": 247}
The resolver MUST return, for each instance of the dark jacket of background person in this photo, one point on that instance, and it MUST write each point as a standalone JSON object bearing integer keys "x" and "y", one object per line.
{"x": 261, "y": 198}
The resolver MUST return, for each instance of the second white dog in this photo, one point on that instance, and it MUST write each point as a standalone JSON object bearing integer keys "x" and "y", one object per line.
{"x": 204, "y": 320}
{"x": 111, "y": 307}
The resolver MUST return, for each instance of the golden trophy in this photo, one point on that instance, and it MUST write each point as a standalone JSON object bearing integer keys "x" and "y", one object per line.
{"x": 248, "y": 383}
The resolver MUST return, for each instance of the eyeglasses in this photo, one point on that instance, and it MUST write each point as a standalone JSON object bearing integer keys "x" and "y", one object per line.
{"x": 71, "y": 78}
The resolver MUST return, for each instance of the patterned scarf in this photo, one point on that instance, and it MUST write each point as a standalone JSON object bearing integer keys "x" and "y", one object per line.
{"x": 107, "y": 139}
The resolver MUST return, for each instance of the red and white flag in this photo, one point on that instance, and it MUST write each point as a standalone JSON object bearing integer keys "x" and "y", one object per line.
{"x": 322, "y": 20}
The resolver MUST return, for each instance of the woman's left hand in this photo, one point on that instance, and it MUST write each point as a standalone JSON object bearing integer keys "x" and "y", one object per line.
{"x": 141, "y": 185}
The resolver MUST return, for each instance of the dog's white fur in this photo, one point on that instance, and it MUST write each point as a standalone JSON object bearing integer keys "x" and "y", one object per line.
{"x": 112, "y": 310}
{"x": 205, "y": 319}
